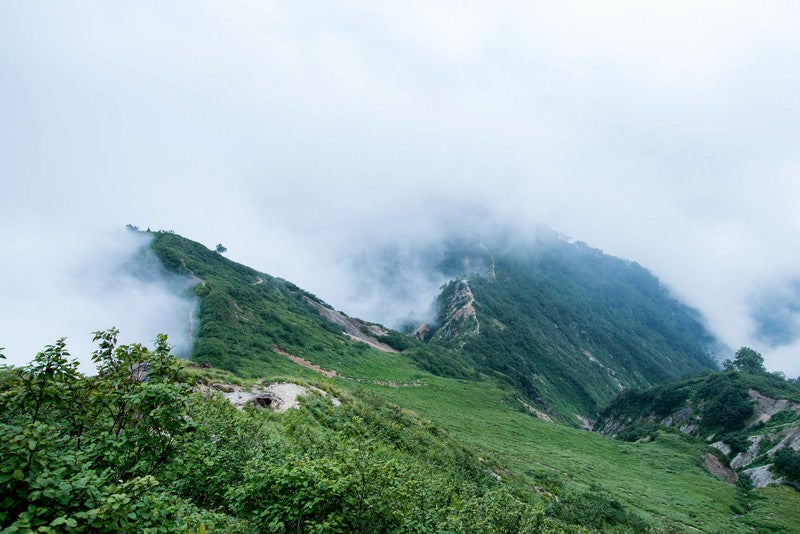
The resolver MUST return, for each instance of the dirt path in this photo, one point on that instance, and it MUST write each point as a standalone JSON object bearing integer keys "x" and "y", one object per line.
{"x": 305, "y": 363}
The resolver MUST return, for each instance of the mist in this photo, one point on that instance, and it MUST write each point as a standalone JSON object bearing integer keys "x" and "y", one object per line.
{"x": 304, "y": 136}
{"x": 72, "y": 284}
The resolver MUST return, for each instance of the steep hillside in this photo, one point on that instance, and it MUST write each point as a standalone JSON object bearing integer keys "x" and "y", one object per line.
{"x": 751, "y": 420}
{"x": 565, "y": 324}
{"x": 151, "y": 444}
{"x": 270, "y": 330}
{"x": 251, "y": 323}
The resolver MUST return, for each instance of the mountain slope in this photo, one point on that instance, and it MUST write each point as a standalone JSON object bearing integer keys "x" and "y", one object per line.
{"x": 751, "y": 419}
{"x": 567, "y": 325}
{"x": 251, "y": 323}
{"x": 267, "y": 328}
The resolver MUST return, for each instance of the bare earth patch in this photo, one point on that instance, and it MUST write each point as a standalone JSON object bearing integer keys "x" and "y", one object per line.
{"x": 719, "y": 469}
{"x": 766, "y": 407}
{"x": 538, "y": 413}
{"x": 305, "y": 363}
{"x": 278, "y": 396}
{"x": 354, "y": 328}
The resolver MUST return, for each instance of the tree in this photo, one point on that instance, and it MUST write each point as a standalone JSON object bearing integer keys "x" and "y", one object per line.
{"x": 749, "y": 360}
{"x": 221, "y": 249}
{"x": 787, "y": 463}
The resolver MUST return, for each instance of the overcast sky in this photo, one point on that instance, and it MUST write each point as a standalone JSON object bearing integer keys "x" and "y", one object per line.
{"x": 301, "y": 133}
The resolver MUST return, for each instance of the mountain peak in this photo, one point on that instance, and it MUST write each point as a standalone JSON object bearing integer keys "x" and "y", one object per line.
{"x": 458, "y": 317}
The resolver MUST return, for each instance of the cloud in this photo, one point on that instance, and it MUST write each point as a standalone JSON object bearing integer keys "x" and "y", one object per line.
{"x": 69, "y": 284}
{"x": 301, "y": 134}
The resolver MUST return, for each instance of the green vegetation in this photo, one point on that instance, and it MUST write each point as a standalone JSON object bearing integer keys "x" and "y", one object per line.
{"x": 716, "y": 403}
{"x": 565, "y": 325}
{"x": 787, "y": 463}
{"x": 86, "y": 454}
{"x": 661, "y": 480}
{"x": 746, "y": 359}
{"x": 141, "y": 448}
{"x": 249, "y": 320}
{"x": 569, "y": 326}
{"x": 465, "y": 453}
{"x": 479, "y": 406}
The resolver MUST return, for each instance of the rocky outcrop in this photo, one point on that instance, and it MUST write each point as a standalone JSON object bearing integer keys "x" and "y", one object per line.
{"x": 538, "y": 413}
{"x": 745, "y": 458}
{"x": 460, "y": 318}
{"x": 680, "y": 417}
{"x": 276, "y": 396}
{"x": 761, "y": 477}
{"x": 766, "y": 407}
{"x": 422, "y": 332}
{"x": 723, "y": 447}
{"x": 354, "y": 328}
{"x": 789, "y": 438}
{"x": 719, "y": 469}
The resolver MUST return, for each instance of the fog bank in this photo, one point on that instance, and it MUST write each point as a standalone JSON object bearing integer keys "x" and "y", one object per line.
{"x": 72, "y": 284}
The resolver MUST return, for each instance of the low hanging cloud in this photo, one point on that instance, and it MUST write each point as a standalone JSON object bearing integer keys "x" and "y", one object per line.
{"x": 303, "y": 135}
{"x": 776, "y": 313}
{"x": 77, "y": 284}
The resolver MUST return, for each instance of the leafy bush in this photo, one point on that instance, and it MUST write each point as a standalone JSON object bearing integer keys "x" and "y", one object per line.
{"x": 783, "y": 417}
{"x": 639, "y": 431}
{"x": 728, "y": 406}
{"x": 597, "y": 511}
{"x": 80, "y": 453}
{"x": 787, "y": 463}
{"x": 134, "y": 449}
{"x": 396, "y": 340}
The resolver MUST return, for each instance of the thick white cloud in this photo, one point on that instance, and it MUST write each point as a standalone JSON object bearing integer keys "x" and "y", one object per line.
{"x": 67, "y": 282}
{"x": 299, "y": 133}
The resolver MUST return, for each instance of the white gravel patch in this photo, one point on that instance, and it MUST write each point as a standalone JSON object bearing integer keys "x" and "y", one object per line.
{"x": 283, "y": 395}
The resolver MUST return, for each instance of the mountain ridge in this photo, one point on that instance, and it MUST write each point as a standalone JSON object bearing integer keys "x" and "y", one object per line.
{"x": 503, "y": 464}
{"x": 566, "y": 325}
{"x": 560, "y": 320}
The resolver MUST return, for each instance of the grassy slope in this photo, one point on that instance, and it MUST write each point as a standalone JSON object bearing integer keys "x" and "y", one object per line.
{"x": 659, "y": 479}
{"x": 247, "y": 318}
{"x": 710, "y": 399}
{"x": 568, "y": 325}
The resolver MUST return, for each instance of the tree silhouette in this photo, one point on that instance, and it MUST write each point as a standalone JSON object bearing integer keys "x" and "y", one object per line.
{"x": 749, "y": 360}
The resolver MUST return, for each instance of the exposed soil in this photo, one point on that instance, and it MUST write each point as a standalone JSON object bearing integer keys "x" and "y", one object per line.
{"x": 305, "y": 363}
{"x": 766, "y": 407}
{"x": 278, "y": 396}
{"x": 354, "y": 328}
{"x": 719, "y": 469}
{"x": 538, "y": 413}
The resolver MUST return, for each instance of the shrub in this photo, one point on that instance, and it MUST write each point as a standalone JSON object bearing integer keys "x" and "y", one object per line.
{"x": 787, "y": 463}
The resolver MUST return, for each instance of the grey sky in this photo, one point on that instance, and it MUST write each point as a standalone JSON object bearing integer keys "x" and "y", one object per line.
{"x": 298, "y": 133}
